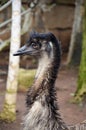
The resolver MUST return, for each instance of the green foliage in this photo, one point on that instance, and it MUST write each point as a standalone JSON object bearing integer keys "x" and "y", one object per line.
{"x": 26, "y": 77}
{"x": 81, "y": 89}
{"x": 7, "y": 115}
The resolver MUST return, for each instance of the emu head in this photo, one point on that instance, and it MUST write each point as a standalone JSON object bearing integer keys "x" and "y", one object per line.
{"x": 37, "y": 45}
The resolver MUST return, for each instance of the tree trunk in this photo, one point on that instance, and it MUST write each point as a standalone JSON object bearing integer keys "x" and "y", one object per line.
{"x": 9, "y": 111}
{"x": 81, "y": 89}
{"x": 76, "y": 36}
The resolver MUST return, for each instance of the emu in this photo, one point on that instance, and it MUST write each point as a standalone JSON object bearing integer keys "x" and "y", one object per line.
{"x": 43, "y": 112}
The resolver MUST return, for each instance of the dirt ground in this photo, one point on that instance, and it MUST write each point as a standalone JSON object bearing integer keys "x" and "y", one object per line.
{"x": 66, "y": 86}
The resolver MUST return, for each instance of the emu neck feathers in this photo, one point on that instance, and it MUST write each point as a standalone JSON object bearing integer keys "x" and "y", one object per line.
{"x": 44, "y": 62}
{"x": 44, "y": 69}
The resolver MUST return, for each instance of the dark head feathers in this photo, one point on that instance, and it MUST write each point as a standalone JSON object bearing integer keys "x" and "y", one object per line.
{"x": 44, "y": 36}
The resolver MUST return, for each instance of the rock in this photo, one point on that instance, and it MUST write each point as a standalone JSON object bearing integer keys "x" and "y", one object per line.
{"x": 59, "y": 17}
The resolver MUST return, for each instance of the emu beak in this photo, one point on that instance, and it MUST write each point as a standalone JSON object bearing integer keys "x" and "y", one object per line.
{"x": 23, "y": 50}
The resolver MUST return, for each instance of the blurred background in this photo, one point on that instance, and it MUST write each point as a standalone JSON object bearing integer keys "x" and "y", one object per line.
{"x": 66, "y": 19}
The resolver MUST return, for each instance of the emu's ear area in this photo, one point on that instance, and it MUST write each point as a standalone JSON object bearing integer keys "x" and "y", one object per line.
{"x": 49, "y": 47}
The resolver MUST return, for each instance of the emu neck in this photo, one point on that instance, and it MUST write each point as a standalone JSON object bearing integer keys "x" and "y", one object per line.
{"x": 47, "y": 70}
{"x": 43, "y": 65}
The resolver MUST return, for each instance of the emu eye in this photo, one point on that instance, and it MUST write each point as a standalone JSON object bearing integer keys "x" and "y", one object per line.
{"x": 35, "y": 45}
